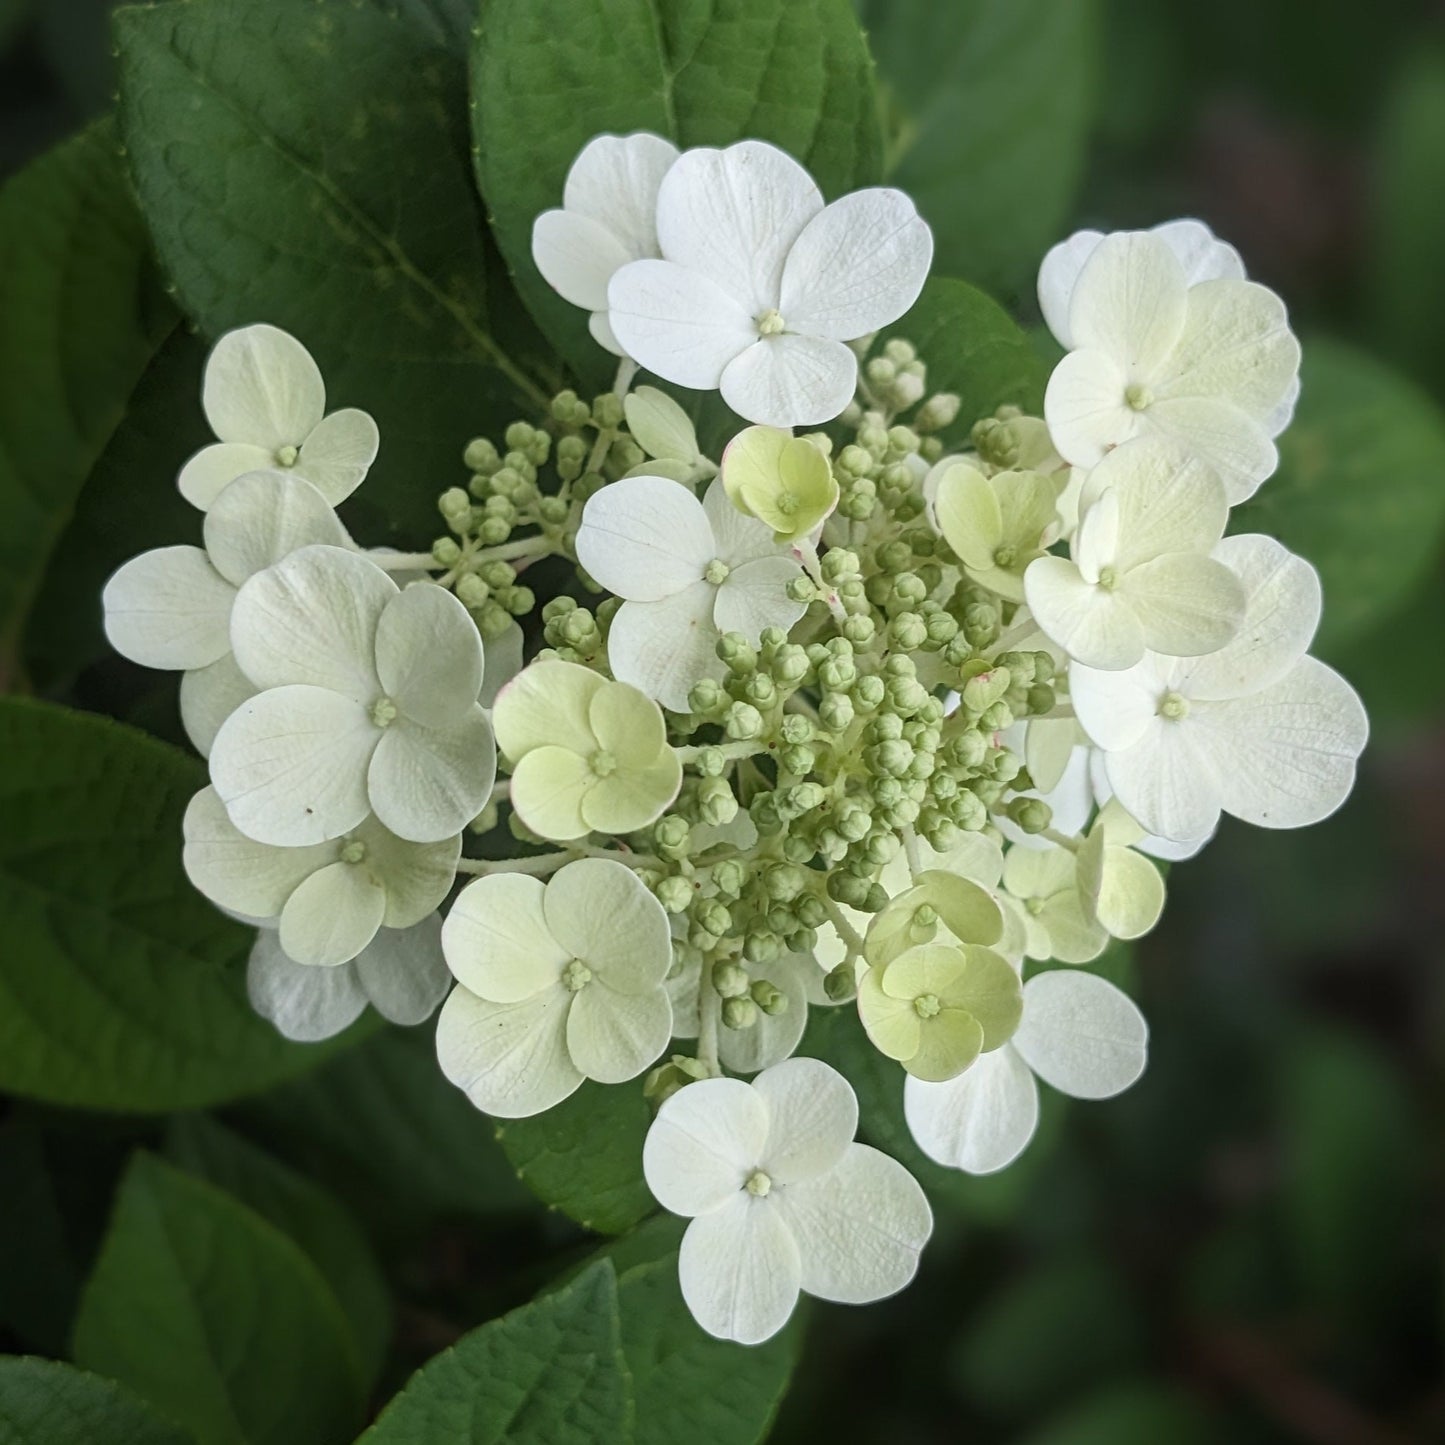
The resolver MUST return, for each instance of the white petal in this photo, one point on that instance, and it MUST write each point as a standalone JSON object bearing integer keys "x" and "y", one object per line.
{"x": 613, "y": 1037}
{"x": 1282, "y": 610}
{"x": 859, "y": 1228}
{"x": 738, "y": 537}
{"x": 1085, "y": 408}
{"x": 1130, "y": 302}
{"x": 598, "y": 911}
{"x": 615, "y": 180}
{"x": 212, "y": 469}
{"x": 812, "y": 1118}
{"x": 1081, "y": 1035}
{"x": 858, "y": 265}
{"x": 755, "y": 596}
{"x": 645, "y": 538}
{"x": 305, "y": 1004}
{"x": 429, "y": 655}
{"x": 733, "y": 215}
{"x": 979, "y": 1122}
{"x": 1286, "y": 756}
{"x": 789, "y": 380}
{"x": 1156, "y": 847}
{"x": 1169, "y": 778}
{"x": 578, "y": 256}
{"x": 416, "y": 876}
{"x": 739, "y": 1270}
{"x": 1058, "y": 275}
{"x": 1233, "y": 442}
{"x": 209, "y": 695}
{"x": 501, "y": 662}
{"x": 261, "y": 386}
{"x": 1167, "y": 502}
{"x": 234, "y": 871}
{"x": 1096, "y": 627}
{"x": 1115, "y": 708}
{"x": 603, "y": 334}
{"x": 426, "y": 783}
{"x": 660, "y": 426}
{"x": 677, "y": 323}
{"x": 312, "y": 619}
{"x": 332, "y": 915}
{"x": 1189, "y": 605}
{"x": 706, "y": 1141}
{"x": 265, "y": 516}
{"x": 511, "y": 1058}
{"x": 337, "y": 455}
{"x": 664, "y": 648}
{"x": 169, "y": 608}
{"x": 1202, "y": 255}
{"x": 773, "y": 1037}
{"x": 290, "y": 765}
{"x": 497, "y": 942}
{"x": 403, "y": 973}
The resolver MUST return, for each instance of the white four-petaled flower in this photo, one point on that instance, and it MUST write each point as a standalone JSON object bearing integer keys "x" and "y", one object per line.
{"x": 760, "y": 284}
{"x": 689, "y": 572}
{"x": 781, "y": 1199}
{"x": 266, "y": 402}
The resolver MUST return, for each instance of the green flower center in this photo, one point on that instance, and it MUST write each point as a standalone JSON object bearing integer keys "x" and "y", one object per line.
{"x": 1174, "y": 707}
{"x": 383, "y": 712}
{"x": 576, "y": 976}
{"x": 602, "y": 763}
{"x": 286, "y": 456}
{"x": 1108, "y": 578}
{"x": 758, "y": 1184}
{"x": 1034, "y": 905}
{"x": 788, "y": 503}
{"x": 1137, "y": 396}
{"x": 770, "y": 323}
{"x": 716, "y": 571}
{"x": 353, "y": 851}
{"x": 1005, "y": 556}
{"x": 927, "y": 1006}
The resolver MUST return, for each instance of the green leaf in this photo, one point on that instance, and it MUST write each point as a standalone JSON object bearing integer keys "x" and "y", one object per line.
{"x": 686, "y": 1383}
{"x": 1358, "y": 490}
{"x": 1137, "y": 1414}
{"x": 307, "y": 165}
{"x": 991, "y": 102}
{"x": 974, "y": 349}
{"x": 43, "y": 1402}
{"x": 549, "y": 1373}
{"x": 217, "y": 1317}
{"x": 314, "y": 1220}
{"x": 584, "y": 1156}
{"x": 548, "y": 75}
{"x": 121, "y": 988}
{"x": 384, "y": 1127}
{"x": 80, "y": 315}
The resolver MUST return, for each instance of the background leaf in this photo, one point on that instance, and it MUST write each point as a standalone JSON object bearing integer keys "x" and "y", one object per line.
{"x": 46, "y": 1403}
{"x": 989, "y": 102}
{"x": 120, "y": 986}
{"x": 548, "y": 75}
{"x": 344, "y": 212}
{"x": 81, "y": 313}
{"x": 549, "y": 1373}
{"x": 217, "y": 1317}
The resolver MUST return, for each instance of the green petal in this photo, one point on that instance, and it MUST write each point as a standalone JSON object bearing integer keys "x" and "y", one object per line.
{"x": 545, "y": 705}
{"x": 892, "y": 1024}
{"x": 948, "y": 1044}
{"x": 968, "y": 515}
{"x": 993, "y": 994}
{"x": 549, "y": 787}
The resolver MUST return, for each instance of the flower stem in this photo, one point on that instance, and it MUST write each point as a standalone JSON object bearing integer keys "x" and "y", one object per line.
{"x": 404, "y": 561}
{"x": 709, "y": 1014}
{"x": 626, "y": 371}
{"x": 535, "y": 866}
{"x": 691, "y": 753}
{"x": 850, "y": 935}
{"x": 910, "y": 848}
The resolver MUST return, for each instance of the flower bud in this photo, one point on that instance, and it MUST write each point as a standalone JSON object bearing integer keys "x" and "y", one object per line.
{"x": 666, "y": 1079}
{"x": 716, "y": 803}
{"x": 706, "y": 696}
{"x": 768, "y": 997}
{"x": 739, "y": 1013}
{"x": 730, "y": 980}
{"x": 1032, "y": 815}
{"x": 743, "y": 721}
{"x": 839, "y": 983}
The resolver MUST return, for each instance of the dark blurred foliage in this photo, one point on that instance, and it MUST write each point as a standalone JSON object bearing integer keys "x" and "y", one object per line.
{"x": 1248, "y": 1246}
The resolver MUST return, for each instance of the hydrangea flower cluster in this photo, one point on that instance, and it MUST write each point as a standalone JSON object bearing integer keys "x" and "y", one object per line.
{"x": 842, "y": 717}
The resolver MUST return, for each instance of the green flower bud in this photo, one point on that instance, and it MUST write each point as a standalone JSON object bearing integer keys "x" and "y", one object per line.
{"x": 674, "y": 893}
{"x": 848, "y": 888}
{"x": 743, "y": 721}
{"x": 760, "y": 690}
{"x": 666, "y": 1079}
{"x": 784, "y": 881}
{"x": 471, "y": 591}
{"x": 868, "y": 693}
{"x": 739, "y": 1013}
{"x": 789, "y": 665}
{"x": 768, "y": 997}
{"x": 670, "y": 834}
{"x": 892, "y": 757}
{"x": 982, "y": 691}
{"x": 893, "y": 557}
{"x": 706, "y": 696}
{"x": 480, "y": 456}
{"x": 711, "y": 916}
{"x": 838, "y": 674}
{"x": 835, "y": 711}
{"x": 859, "y": 629}
{"x": 810, "y": 910}
{"x": 908, "y": 631}
{"x": 730, "y": 980}
{"x": 839, "y": 983}
{"x": 903, "y": 439}
{"x": 716, "y": 802}
{"x": 838, "y": 565}
{"x": 735, "y": 650}
{"x": 939, "y": 411}
{"x": 997, "y": 718}
{"x": 730, "y": 877}
{"x": 1040, "y": 699}
{"x": 1032, "y": 815}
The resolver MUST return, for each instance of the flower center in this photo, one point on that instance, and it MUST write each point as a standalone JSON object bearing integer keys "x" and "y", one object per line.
{"x": 1137, "y": 396}
{"x": 1108, "y": 578}
{"x": 758, "y": 1184}
{"x": 602, "y": 763}
{"x": 770, "y": 323}
{"x": 716, "y": 571}
{"x": 1005, "y": 556}
{"x": 1034, "y": 905}
{"x": 1174, "y": 707}
{"x": 353, "y": 851}
{"x": 927, "y": 1006}
{"x": 286, "y": 456}
{"x": 576, "y": 976}
{"x": 383, "y": 712}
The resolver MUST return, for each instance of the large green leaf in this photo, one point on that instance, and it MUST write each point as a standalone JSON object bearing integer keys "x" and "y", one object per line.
{"x": 974, "y": 349}
{"x": 991, "y": 101}
{"x": 43, "y": 1402}
{"x": 218, "y": 1318}
{"x": 298, "y": 1208}
{"x": 307, "y": 165}
{"x": 548, "y": 75}
{"x": 1360, "y": 490}
{"x": 80, "y": 315}
{"x": 584, "y": 1156}
{"x": 549, "y": 1373}
{"x": 120, "y": 986}
{"x": 385, "y": 1128}
{"x": 685, "y": 1382}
